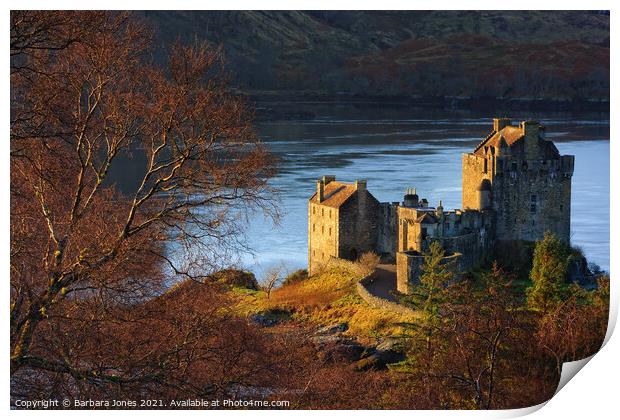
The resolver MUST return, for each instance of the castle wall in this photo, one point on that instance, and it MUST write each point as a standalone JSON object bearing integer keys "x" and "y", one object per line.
{"x": 473, "y": 172}
{"x": 409, "y": 268}
{"x": 469, "y": 246}
{"x": 531, "y": 197}
{"x": 358, "y": 225}
{"x": 323, "y": 228}
{"x": 387, "y": 234}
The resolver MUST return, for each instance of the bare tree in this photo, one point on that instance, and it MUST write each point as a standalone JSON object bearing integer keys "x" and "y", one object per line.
{"x": 85, "y": 257}
{"x": 271, "y": 278}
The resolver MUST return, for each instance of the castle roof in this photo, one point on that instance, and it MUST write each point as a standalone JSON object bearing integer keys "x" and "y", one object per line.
{"x": 336, "y": 194}
{"x": 427, "y": 218}
{"x": 511, "y": 136}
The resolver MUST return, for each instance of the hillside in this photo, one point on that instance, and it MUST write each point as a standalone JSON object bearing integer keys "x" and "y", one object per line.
{"x": 553, "y": 55}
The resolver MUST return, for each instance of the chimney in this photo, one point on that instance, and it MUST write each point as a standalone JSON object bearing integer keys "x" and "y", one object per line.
{"x": 499, "y": 123}
{"x": 411, "y": 198}
{"x": 320, "y": 190}
{"x": 360, "y": 184}
{"x": 531, "y": 131}
{"x": 328, "y": 178}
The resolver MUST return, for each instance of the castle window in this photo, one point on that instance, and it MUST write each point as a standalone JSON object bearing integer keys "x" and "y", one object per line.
{"x": 313, "y": 210}
{"x": 313, "y": 227}
{"x": 561, "y": 207}
{"x": 322, "y": 229}
{"x": 330, "y": 231}
{"x": 514, "y": 166}
{"x": 424, "y": 233}
{"x": 313, "y": 253}
{"x": 323, "y": 212}
{"x": 330, "y": 214}
{"x": 485, "y": 166}
{"x": 533, "y": 202}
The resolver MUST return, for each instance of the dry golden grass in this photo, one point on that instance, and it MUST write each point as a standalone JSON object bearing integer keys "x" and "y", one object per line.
{"x": 327, "y": 298}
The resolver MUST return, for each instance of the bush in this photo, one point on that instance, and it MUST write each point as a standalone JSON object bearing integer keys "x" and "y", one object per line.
{"x": 296, "y": 276}
{"x": 368, "y": 261}
{"x": 234, "y": 278}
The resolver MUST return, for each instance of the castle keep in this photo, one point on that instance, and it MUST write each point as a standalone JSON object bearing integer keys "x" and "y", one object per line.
{"x": 516, "y": 186}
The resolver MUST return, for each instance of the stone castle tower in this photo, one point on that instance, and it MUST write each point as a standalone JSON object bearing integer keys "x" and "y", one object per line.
{"x": 520, "y": 175}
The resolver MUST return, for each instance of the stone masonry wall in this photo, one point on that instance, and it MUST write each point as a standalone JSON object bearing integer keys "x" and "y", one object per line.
{"x": 358, "y": 225}
{"x": 531, "y": 197}
{"x": 473, "y": 174}
{"x": 322, "y": 235}
{"x": 387, "y": 223}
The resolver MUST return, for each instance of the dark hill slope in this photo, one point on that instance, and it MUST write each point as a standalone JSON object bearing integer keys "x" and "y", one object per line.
{"x": 554, "y": 55}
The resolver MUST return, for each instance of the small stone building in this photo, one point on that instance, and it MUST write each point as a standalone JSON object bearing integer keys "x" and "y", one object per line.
{"x": 345, "y": 220}
{"x": 516, "y": 186}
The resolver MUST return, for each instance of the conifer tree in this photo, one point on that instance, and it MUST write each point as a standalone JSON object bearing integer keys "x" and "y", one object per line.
{"x": 549, "y": 269}
{"x": 435, "y": 275}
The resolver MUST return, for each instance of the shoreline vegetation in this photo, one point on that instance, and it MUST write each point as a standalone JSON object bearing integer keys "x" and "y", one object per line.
{"x": 264, "y": 99}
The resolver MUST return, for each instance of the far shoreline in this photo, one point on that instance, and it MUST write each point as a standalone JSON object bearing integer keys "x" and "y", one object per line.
{"x": 264, "y": 100}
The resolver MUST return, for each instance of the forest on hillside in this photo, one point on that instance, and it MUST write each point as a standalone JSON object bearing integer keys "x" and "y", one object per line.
{"x": 556, "y": 56}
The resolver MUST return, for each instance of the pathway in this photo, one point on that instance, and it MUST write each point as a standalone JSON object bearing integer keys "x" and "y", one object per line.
{"x": 384, "y": 282}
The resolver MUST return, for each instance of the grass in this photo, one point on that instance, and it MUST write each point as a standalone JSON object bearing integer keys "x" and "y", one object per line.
{"x": 327, "y": 298}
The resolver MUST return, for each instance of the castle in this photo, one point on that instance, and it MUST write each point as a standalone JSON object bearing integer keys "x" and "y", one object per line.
{"x": 516, "y": 186}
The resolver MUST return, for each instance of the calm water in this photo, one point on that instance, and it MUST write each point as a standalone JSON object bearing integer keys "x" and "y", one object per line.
{"x": 397, "y": 148}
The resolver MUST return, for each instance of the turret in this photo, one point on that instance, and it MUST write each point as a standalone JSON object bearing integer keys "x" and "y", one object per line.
{"x": 439, "y": 210}
{"x": 484, "y": 195}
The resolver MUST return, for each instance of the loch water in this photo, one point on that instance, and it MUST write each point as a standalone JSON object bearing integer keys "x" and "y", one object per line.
{"x": 399, "y": 147}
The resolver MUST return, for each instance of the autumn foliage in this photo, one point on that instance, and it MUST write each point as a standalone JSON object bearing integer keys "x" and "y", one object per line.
{"x": 87, "y": 259}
